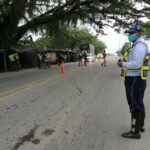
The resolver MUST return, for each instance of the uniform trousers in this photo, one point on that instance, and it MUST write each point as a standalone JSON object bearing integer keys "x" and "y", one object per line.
{"x": 135, "y": 88}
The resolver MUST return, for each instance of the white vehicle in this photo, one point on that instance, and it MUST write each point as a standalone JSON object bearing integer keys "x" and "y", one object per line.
{"x": 91, "y": 53}
{"x": 90, "y": 57}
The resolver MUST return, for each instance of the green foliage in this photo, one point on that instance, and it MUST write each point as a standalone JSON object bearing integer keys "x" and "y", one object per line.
{"x": 43, "y": 42}
{"x": 147, "y": 30}
{"x": 124, "y": 49}
{"x": 18, "y": 17}
{"x": 99, "y": 46}
{"x": 70, "y": 38}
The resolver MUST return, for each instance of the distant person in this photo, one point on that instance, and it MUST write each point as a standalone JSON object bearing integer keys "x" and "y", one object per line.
{"x": 104, "y": 59}
{"x": 48, "y": 62}
{"x": 80, "y": 58}
{"x": 60, "y": 59}
{"x": 14, "y": 61}
{"x": 43, "y": 57}
{"x": 39, "y": 60}
{"x": 85, "y": 57}
{"x": 17, "y": 65}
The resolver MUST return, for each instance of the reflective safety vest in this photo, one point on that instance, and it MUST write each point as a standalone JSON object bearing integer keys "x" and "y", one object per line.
{"x": 11, "y": 58}
{"x": 16, "y": 56}
{"x": 123, "y": 69}
{"x": 143, "y": 69}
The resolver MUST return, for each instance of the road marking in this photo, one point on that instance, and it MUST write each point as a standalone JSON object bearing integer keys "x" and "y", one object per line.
{"x": 6, "y": 74}
{"x": 28, "y": 86}
{"x": 24, "y": 88}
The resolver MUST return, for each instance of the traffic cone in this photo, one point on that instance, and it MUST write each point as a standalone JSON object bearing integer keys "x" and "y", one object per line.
{"x": 62, "y": 68}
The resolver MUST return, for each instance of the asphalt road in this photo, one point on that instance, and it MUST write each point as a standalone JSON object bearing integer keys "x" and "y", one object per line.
{"x": 84, "y": 109}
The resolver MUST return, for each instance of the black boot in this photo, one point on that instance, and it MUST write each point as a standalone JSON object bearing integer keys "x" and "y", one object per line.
{"x": 134, "y": 133}
{"x": 142, "y": 129}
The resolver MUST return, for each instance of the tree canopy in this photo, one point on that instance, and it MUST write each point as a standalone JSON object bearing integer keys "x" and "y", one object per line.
{"x": 18, "y": 17}
{"x": 70, "y": 38}
{"x": 147, "y": 30}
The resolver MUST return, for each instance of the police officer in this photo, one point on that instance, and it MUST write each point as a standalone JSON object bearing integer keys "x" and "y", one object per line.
{"x": 104, "y": 59}
{"x": 135, "y": 68}
{"x": 85, "y": 57}
{"x": 14, "y": 60}
{"x": 80, "y": 57}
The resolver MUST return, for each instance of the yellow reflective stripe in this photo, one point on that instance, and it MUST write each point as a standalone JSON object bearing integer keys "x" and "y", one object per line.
{"x": 125, "y": 56}
{"x": 123, "y": 73}
{"x": 144, "y": 71}
{"x": 135, "y": 70}
{"x": 147, "y": 57}
{"x": 145, "y": 67}
{"x": 143, "y": 77}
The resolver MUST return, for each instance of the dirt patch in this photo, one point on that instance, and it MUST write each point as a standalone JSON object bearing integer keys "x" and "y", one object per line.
{"x": 28, "y": 137}
{"x": 47, "y": 132}
{"x": 66, "y": 132}
{"x": 79, "y": 90}
{"x": 35, "y": 141}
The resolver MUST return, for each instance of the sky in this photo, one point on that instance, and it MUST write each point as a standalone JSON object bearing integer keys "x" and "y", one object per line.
{"x": 113, "y": 40}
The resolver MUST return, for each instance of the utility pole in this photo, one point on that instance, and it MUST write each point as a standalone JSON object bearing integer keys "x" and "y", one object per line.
{"x": 5, "y": 64}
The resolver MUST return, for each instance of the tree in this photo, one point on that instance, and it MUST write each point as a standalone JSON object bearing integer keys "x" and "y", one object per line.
{"x": 43, "y": 42}
{"x": 124, "y": 49}
{"x": 70, "y": 38}
{"x": 99, "y": 46}
{"x": 18, "y": 17}
{"x": 147, "y": 30}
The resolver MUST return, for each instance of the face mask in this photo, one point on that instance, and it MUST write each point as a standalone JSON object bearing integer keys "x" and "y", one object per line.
{"x": 132, "y": 37}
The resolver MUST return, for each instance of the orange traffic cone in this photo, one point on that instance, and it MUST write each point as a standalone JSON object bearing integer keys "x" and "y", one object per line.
{"x": 62, "y": 67}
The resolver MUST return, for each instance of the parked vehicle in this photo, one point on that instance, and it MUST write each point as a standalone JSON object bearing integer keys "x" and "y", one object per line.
{"x": 46, "y": 63}
{"x": 91, "y": 53}
{"x": 90, "y": 57}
